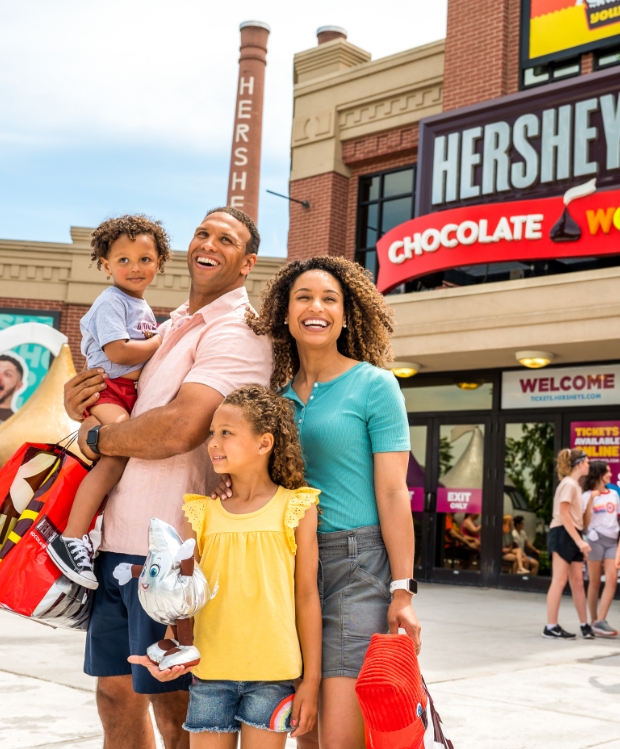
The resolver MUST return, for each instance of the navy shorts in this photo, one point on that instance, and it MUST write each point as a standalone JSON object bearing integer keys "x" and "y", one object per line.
{"x": 119, "y": 627}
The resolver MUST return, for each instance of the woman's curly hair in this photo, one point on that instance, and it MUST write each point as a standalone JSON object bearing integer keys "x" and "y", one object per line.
{"x": 109, "y": 231}
{"x": 268, "y": 412}
{"x": 369, "y": 319}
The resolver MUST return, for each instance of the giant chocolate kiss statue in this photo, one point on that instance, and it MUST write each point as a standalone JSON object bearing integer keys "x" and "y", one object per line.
{"x": 43, "y": 417}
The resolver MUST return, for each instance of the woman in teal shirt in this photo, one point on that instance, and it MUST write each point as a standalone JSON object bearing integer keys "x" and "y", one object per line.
{"x": 330, "y": 330}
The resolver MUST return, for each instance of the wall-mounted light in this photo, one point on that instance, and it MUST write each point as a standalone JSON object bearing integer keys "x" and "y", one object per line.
{"x": 472, "y": 385}
{"x": 405, "y": 368}
{"x": 534, "y": 359}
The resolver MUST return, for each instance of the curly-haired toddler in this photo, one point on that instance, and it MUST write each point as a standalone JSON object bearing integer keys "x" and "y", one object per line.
{"x": 119, "y": 334}
{"x": 261, "y": 552}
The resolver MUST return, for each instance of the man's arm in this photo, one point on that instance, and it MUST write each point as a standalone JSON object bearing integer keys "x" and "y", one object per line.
{"x": 178, "y": 427}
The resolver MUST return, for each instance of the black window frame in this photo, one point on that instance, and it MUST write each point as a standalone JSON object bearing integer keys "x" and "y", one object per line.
{"x": 551, "y": 68}
{"x": 361, "y": 253}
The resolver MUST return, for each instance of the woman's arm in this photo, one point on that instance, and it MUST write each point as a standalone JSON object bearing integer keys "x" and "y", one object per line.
{"x": 309, "y": 624}
{"x": 394, "y": 507}
{"x": 567, "y": 522}
{"x": 588, "y": 512}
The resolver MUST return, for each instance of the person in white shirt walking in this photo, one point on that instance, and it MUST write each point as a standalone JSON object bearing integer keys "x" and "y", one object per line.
{"x": 600, "y": 515}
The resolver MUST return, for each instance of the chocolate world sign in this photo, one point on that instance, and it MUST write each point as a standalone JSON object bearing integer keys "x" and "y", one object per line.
{"x": 532, "y": 144}
{"x": 583, "y": 222}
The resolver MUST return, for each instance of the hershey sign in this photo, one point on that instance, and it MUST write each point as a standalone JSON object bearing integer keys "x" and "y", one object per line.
{"x": 536, "y": 143}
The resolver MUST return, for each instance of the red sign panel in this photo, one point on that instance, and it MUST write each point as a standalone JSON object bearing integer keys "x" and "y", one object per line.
{"x": 522, "y": 230}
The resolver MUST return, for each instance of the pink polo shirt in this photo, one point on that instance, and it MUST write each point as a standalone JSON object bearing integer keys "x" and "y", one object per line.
{"x": 213, "y": 347}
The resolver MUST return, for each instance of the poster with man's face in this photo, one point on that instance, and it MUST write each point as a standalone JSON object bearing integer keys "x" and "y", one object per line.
{"x": 22, "y": 368}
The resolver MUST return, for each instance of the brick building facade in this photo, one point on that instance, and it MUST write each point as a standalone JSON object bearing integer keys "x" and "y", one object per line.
{"x": 58, "y": 278}
{"x": 355, "y": 140}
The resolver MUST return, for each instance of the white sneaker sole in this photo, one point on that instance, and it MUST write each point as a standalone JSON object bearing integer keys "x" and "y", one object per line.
{"x": 71, "y": 574}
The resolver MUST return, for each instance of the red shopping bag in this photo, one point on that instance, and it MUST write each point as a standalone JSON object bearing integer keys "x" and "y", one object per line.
{"x": 37, "y": 488}
{"x": 397, "y": 707}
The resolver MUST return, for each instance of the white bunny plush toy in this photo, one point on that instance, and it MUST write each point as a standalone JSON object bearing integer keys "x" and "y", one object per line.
{"x": 171, "y": 589}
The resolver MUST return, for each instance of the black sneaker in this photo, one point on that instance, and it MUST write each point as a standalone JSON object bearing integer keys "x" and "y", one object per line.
{"x": 586, "y": 632}
{"x": 74, "y": 558}
{"x": 557, "y": 633}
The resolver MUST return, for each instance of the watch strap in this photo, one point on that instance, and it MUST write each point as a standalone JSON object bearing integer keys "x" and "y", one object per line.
{"x": 92, "y": 438}
{"x": 408, "y": 584}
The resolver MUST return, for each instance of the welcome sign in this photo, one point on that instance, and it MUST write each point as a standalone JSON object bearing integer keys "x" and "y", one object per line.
{"x": 597, "y": 385}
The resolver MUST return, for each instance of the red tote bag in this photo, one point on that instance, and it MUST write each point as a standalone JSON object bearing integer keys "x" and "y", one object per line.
{"x": 30, "y": 583}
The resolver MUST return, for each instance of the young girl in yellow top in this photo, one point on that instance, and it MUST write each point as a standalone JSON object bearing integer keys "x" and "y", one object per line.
{"x": 262, "y": 554}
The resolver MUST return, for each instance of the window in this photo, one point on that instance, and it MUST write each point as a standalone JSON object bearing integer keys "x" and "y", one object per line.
{"x": 553, "y": 71}
{"x": 604, "y": 58}
{"x": 384, "y": 201}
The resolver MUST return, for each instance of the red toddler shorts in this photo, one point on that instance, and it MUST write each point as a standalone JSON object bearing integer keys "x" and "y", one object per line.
{"x": 121, "y": 391}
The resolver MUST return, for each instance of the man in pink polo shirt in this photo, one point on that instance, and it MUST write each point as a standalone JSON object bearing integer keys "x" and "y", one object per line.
{"x": 207, "y": 351}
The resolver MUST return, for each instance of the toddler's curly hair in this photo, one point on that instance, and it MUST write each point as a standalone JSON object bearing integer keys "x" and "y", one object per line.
{"x": 268, "y": 412}
{"x": 132, "y": 225}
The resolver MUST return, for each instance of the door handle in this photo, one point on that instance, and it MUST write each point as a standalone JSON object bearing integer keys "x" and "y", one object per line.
{"x": 428, "y": 501}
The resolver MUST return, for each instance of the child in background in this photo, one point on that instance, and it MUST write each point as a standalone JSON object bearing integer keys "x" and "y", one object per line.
{"x": 119, "y": 334}
{"x": 262, "y": 553}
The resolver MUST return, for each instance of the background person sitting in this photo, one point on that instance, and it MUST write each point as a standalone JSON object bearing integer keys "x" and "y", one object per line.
{"x": 470, "y": 528}
{"x": 510, "y": 551}
{"x": 520, "y": 538}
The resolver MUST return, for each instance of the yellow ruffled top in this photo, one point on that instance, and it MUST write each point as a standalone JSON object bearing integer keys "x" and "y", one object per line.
{"x": 247, "y": 632}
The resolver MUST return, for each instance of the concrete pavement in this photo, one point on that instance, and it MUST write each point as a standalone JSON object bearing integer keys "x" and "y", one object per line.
{"x": 495, "y": 681}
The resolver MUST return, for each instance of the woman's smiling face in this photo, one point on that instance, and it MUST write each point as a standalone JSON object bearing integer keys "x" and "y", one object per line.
{"x": 316, "y": 309}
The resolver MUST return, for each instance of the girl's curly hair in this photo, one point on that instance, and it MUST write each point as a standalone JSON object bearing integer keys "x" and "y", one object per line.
{"x": 109, "y": 231}
{"x": 268, "y": 412}
{"x": 369, "y": 319}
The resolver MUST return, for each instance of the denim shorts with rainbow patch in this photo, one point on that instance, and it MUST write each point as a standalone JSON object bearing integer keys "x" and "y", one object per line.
{"x": 222, "y": 706}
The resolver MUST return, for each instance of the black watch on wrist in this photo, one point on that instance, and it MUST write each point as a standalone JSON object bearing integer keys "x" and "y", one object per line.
{"x": 92, "y": 439}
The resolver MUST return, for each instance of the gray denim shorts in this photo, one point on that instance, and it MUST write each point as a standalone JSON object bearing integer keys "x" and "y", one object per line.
{"x": 354, "y": 579}
{"x": 603, "y": 548}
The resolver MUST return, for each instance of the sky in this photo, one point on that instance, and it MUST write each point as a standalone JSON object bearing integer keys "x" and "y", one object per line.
{"x": 127, "y": 106}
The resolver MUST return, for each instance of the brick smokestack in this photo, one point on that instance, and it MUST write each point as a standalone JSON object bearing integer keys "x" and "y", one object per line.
{"x": 244, "y": 178}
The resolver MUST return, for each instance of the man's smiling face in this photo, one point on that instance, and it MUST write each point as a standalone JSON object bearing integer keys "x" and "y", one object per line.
{"x": 217, "y": 256}
{"x": 10, "y": 382}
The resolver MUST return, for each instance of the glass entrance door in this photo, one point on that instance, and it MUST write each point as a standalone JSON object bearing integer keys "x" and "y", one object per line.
{"x": 448, "y": 484}
{"x": 459, "y": 489}
{"x": 527, "y": 462}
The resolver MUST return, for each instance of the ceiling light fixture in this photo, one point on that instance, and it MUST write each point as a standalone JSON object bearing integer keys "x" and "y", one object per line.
{"x": 534, "y": 359}
{"x": 405, "y": 368}
{"x": 469, "y": 385}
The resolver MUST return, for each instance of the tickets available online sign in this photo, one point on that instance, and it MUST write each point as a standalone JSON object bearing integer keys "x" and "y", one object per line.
{"x": 581, "y": 223}
{"x": 600, "y": 440}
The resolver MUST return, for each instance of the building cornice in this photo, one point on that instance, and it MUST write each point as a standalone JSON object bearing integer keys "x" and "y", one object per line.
{"x": 63, "y": 272}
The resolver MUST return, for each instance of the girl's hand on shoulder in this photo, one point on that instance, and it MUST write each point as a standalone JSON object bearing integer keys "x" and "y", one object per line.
{"x": 168, "y": 675}
{"x": 305, "y": 708}
{"x": 223, "y": 489}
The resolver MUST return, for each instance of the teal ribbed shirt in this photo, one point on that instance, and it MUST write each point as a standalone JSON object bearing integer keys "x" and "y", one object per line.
{"x": 346, "y": 421}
